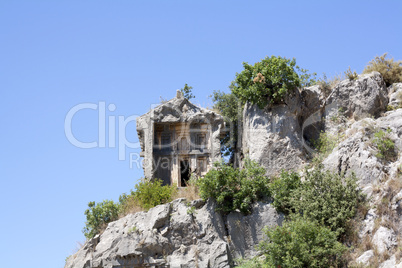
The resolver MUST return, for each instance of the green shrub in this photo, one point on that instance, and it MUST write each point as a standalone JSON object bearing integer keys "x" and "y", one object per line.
{"x": 251, "y": 263}
{"x": 233, "y": 188}
{"x": 385, "y": 146}
{"x": 98, "y": 216}
{"x": 302, "y": 243}
{"x": 390, "y": 70}
{"x": 282, "y": 189}
{"x": 391, "y": 108}
{"x": 149, "y": 194}
{"x": 326, "y": 143}
{"x": 187, "y": 93}
{"x": 328, "y": 198}
{"x": 269, "y": 81}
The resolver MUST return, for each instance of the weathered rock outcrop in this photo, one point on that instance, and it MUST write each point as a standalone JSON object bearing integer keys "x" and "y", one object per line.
{"x": 245, "y": 231}
{"x": 364, "y": 97}
{"x": 384, "y": 239}
{"x": 356, "y": 153}
{"x": 273, "y": 137}
{"x": 365, "y": 257}
{"x": 175, "y": 236}
{"x": 380, "y": 179}
{"x": 395, "y": 95}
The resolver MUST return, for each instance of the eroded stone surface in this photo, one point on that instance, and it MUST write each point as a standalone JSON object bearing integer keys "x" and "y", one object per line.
{"x": 395, "y": 95}
{"x": 169, "y": 235}
{"x": 356, "y": 153}
{"x": 365, "y": 257}
{"x": 364, "y": 97}
{"x": 384, "y": 239}
{"x": 246, "y": 232}
{"x": 272, "y": 136}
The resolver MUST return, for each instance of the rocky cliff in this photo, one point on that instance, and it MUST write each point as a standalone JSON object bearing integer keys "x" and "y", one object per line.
{"x": 175, "y": 235}
{"x": 278, "y": 137}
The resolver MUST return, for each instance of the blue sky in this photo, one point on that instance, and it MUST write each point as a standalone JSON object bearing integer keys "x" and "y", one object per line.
{"x": 55, "y": 55}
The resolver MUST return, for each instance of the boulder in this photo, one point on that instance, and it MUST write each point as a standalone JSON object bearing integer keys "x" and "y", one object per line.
{"x": 365, "y": 257}
{"x": 384, "y": 239}
{"x": 364, "y": 97}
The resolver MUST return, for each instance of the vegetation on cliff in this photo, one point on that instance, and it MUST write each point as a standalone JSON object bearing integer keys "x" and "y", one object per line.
{"x": 235, "y": 189}
{"x": 390, "y": 70}
{"x": 321, "y": 206}
{"x": 269, "y": 80}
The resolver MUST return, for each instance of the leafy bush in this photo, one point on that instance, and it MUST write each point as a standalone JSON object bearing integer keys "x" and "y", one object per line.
{"x": 149, "y": 194}
{"x": 233, "y": 188}
{"x": 390, "y": 70}
{"x": 98, "y": 216}
{"x": 302, "y": 243}
{"x": 282, "y": 189}
{"x": 186, "y": 90}
{"x": 269, "y": 81}
{"x": 385, "y": 146}
{"x": 326, "y": 142}
{"x": 249, "y": 263}
{"x": 328, "y": 198}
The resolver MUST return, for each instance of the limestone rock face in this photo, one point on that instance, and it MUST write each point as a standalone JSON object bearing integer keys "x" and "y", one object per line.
{"x": 397, "y": 207}
{"x": 378, "y": 178}
{"x": 392, "y": 262}
{"x": 247, "y": 231}
{"x": 171, "y": 235}
{"x": 365, "y": 257}
{"x": 273, "y": 137}
{"x": 364, "y": 97}
{"x": 384, "y": 239}
{"x": 395, "y": 95}
{"x": 356, "y": 153}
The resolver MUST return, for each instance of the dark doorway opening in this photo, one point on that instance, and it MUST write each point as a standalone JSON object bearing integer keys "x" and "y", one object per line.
{"x": 184, "y": 172}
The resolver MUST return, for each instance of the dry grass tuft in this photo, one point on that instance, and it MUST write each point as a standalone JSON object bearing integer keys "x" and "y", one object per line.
{"x": 395, "y": 186}
{"x": 328, "y": 84}
{"x": 392, "y": 187}
{"x": 130, "y": 206}
{"x": 366, "y": 243}
{"x": 390, "y": 70}
{"x": 190, "y": 192}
